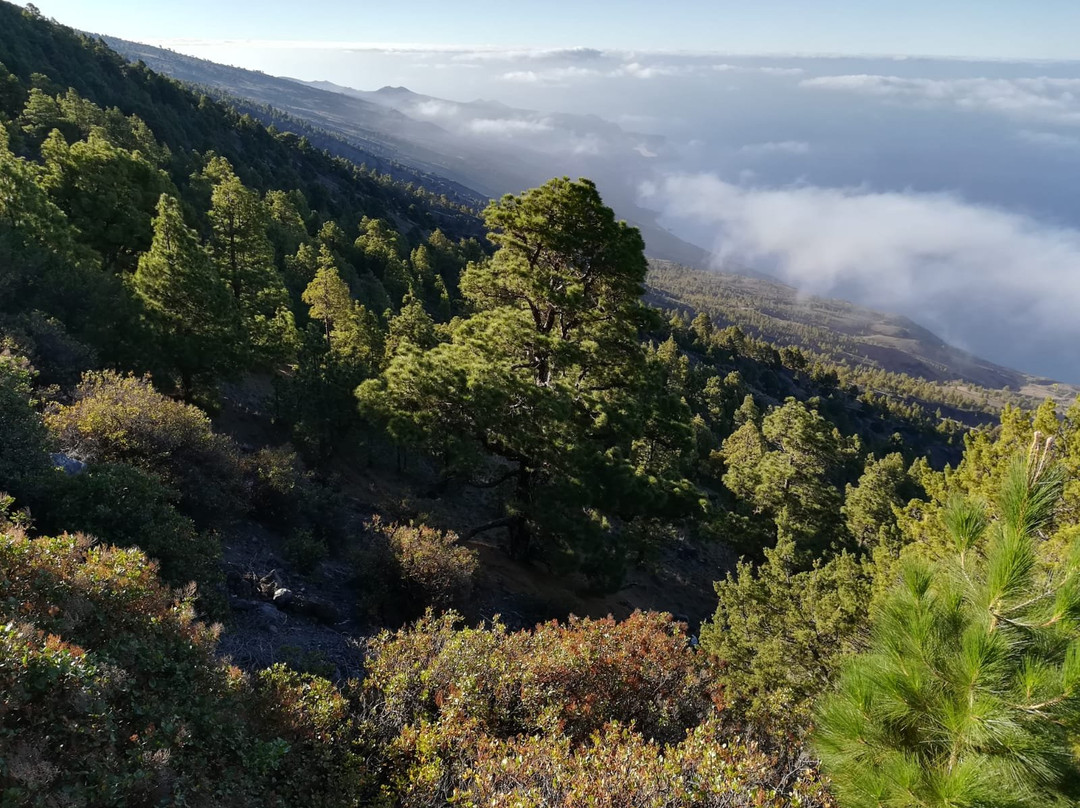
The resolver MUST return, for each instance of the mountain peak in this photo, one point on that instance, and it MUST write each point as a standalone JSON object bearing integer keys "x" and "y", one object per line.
{"x": 388, "y": 90}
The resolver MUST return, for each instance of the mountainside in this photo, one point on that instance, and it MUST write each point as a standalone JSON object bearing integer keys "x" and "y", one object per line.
{"x": 488, "y": 147}
{"x": 302, "y": 487}
{"x": 841, "y": 331}
{"x": 188, "y": 122}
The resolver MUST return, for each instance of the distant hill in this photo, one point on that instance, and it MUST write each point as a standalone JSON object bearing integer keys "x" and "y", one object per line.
{"x": 484, "y": 147}
{"x": 841, "y": 331}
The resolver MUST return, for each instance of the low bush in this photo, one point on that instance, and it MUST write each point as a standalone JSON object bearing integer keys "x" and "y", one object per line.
{"x": 123, "y": 419}
{"x": 434, "y": 569}
{"x": 129, "y": 507}
{"x": 616, "y": 767}
{"x": 24, "y": 460}
{"x": 589, "y": 712}
{"x": 406, "y": 569}
{"x": 571, "y": 677}
{"x": 113, "y": 695}
{"x": 304, "y": 550}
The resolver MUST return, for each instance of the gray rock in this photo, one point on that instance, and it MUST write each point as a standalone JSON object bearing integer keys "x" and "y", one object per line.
{"x": 282, "y": 597}
{"x": 69, "y": 465}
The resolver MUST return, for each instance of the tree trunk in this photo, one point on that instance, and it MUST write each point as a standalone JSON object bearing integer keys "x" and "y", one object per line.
{"x": 519, "y": 530}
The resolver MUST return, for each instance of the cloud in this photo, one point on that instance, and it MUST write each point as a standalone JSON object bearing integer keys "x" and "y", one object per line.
{"x": 776, "y": 147}
{"x": 531, "y": 54}
{"x": 1049, "y": 99}
{"x": 434, "y": 108}
{"x": 508, "y": 127}
{"x": 640, "y": 68}
{"x": 639, "y": 71}
{"x": 552, "y": 76}
{"x": 996, "y": 282}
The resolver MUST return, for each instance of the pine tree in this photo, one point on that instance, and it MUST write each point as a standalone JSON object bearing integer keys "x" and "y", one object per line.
{"x": 343, "y": 345}
{"x": 244, "y": 258}
{"x": 107, "y": 192}
{"x": 187, "y": 304}
{"x": 351, "y": 332}
{"x": 970, "y": 692}
{"x": 547, "y": 376}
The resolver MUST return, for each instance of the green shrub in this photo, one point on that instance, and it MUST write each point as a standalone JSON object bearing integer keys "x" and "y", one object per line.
{"x": 434, "y": 569}
{"x": 571, "y": 677}
{"x": 126, "y": 506}
{"x": 122, "y": 419}
{"x": 59, "y": 358}
{"x": 24, "y": 461}
{"x": 112, "y": 696}
{"x": 285, "y": 495}
{"x": 616, "y": 767}
{"x": 590, "y": 712}
{"x": 781, "y": 635}
{"x": 304, "y": 550}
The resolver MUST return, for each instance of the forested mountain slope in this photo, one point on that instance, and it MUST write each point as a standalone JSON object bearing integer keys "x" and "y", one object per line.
{"x": 279, "y": 440}
{"x": 190, "y": 122}
{"x": 839, "y": 331}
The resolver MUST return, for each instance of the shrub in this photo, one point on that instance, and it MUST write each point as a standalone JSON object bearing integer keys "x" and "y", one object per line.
{"x": 59, "y": 358}
{"x": 434, "y": 569}
{"x": 590, "y": 712}
{"x": 575, "y": 676}
{"x": 23, "y": 438}
{"x": 281, "y": 488}
{"x": 780, "y": 635}
{"x": 113, "y": 695}
{"x": 616, "y": 767}
{"x": 128, "y": 507}
{"x": 304, "y": 550}
{"x": 284, "y": 495}
{"x": 122, "y": 419}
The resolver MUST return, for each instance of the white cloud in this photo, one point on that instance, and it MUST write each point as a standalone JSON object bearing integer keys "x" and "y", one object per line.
{"x": 531, "y": 54}
{"x": 1051, "y": 99}
{"x": 589, "y": 144}
{"x": 506, "y": 127}
{"x": 434, "y": 108}
{"x": 776, "y": 147}
{"x": 638, "y": 68}
{"x": 554, "y": 76}
{"x": 646, "y": 70}
{"x": 994, "y": 281}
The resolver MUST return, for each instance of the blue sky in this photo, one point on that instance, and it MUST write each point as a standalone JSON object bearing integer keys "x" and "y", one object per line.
{"x": 1028, "y": 29}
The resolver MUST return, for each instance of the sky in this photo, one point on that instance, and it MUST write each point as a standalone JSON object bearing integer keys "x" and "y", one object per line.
{"x": 1023, "y": 29}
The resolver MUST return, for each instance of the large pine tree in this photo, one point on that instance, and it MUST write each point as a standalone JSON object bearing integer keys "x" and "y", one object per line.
{"x": 547, "y": 376}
